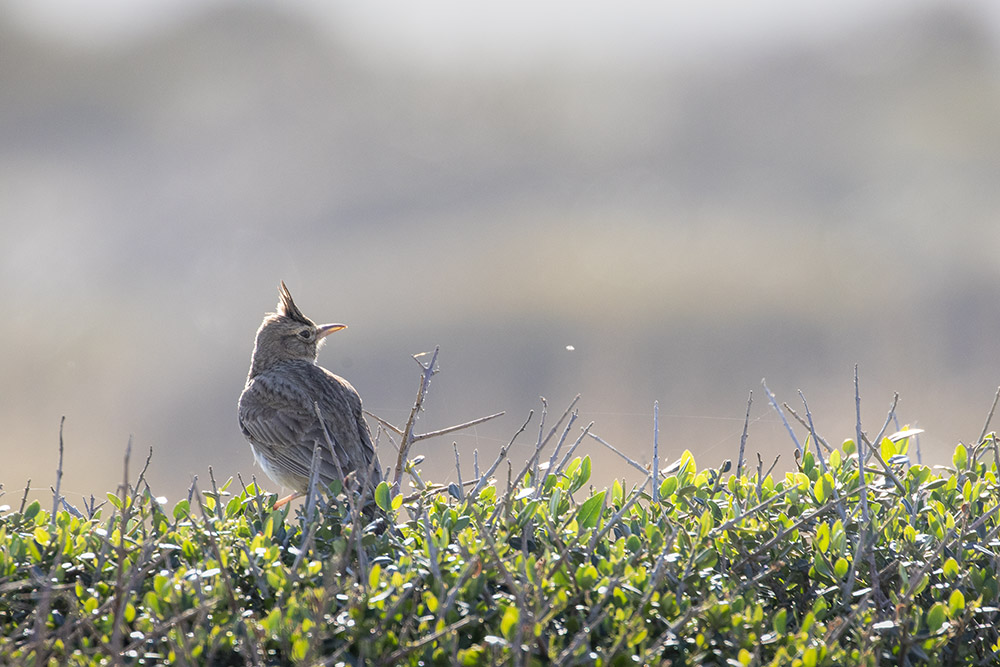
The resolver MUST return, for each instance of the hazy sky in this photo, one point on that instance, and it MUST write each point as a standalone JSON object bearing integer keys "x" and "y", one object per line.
{"x": 510, "y": 33}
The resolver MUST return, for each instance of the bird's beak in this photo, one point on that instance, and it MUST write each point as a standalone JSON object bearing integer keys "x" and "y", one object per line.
{"x": 324, "y": 330}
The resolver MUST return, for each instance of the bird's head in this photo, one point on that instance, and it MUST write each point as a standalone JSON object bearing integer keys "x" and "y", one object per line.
{"x": 288, "y": 334}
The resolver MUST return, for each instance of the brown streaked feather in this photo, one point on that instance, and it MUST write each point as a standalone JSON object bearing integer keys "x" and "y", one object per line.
{"x": 278, "y": 417}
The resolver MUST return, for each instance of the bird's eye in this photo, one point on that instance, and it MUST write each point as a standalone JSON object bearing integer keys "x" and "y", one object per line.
{"x": 305, "y": 334}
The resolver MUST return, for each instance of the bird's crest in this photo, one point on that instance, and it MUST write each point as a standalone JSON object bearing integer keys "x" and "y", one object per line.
{"x": 287, "y": 307}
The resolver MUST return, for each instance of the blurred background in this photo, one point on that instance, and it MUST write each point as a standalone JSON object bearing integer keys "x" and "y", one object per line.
{"x": 664, "y": 203}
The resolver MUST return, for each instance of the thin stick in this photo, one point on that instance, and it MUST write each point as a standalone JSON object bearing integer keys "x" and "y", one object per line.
{"x": 860, "y": 448}
{"x": 819, "y": 452}
{"x": 743, "y": 438}
{"x": 989, "y": 417}
{"x": 562, "y": 440}
{"x": 59, "y": 473}
{"x": 458, "y": 470}
{"x": 656, "y": 452}
{"x": 407, "y": 435}
{"x": 565, "y": 459}
{"x": 774, "y": 404}
{"x": 484, "y": 479}
{"x": 632, "y": 462}
{"x": 877, "y": 442}
{"x": 24, "y": 498}
{"x": 445, "y": 431}
{"x": 384, "y": 423}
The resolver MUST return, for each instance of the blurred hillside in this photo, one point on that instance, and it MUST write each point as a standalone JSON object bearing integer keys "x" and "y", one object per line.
{"x": 688, "y": 226}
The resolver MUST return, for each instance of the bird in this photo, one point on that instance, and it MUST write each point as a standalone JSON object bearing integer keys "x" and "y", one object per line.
{"x": 286, "y": 394}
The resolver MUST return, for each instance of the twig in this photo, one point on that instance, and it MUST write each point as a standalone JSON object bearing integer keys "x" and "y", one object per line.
{"x": 617, "y": 516}
{"x": 311, "y": 494}
{"x": 632, "y": 462}
{"x": 888, "y": 420}
{"x": 484, "y": 479}
{"x": 656, "y": 452}
{"x": 774, "y": 404}
{"x": 384, "y": 423}
{"x": 565, "y": 459}
{"x": 819, "y": 453}
{"x": 743, "y": 438}
{"x": 24, "y": 498}
{"x": 989, "y": 417}
{"x": 562, "y": 439}
{"x": 351, "y": 501}
{"x": 458, "y": 470}
{"x": 445, "y": 431}
{"x": 407, "y": 434}
{"x": 860, "y": 443}
{"x": 863, "y": 487}
{"x": 59, "y": 473}
{"x": 397, "y": 655}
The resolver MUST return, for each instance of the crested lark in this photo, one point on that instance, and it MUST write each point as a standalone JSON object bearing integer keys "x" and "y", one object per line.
{"x": 277, "y": 409}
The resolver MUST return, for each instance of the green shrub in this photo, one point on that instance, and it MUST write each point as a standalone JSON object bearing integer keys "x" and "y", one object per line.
{"x": 721, "y": 569}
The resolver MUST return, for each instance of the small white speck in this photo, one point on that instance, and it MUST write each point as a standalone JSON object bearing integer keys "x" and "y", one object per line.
{"x": 570, "y": 348}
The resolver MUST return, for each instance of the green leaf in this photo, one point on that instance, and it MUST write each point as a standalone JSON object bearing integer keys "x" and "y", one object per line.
{"x": 705, "y": 524}
{"x": 529, "y": 511}
{"x": 668, "y": 487}
{"x": 840, "y": 567}
{"x": 42, "y": 536}
{"x": 554, "y": 501}
{"x": 835, "y": 460}
{"x": 181, "y": 509}
{"x": 956, "y": 602}
{"x": 936, "y": 617}
{"x": 115, "y": 500}
{"x": 509, "y": 621}
{"x": 590, "y": 510}
{"x": 950, "y": 568}
{"x": 233, "y": 506}
{"x": 889, "y": 449}
{"x": 961, "y": 457}
{"x": 31, "y": 510}
{"x": 582, "y": 476}
{"x": 586, "y": 575}
{"x": 780, "y": 621}
{"x": 397, "y": 501}
{"x": 617, "y": 493}
{"x": 819, "y": 491}
{"x": 299, "y": 649}
{"x": 823, "y": 537}
{"x": 382, "y": 498}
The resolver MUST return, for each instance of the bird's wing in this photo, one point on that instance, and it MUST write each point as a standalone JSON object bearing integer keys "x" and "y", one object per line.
{"x": 345, "y": 422}
{"x": 278, "y": 416}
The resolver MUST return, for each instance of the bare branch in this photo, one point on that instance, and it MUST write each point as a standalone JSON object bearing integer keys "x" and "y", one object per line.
{"x": 774, "y": 404}
{"x": 989, "y": 417}
{"x": 458, "y": 427}
{"x": 743, "y": 438}
{"x": 632, "y": 462}
{"x": 384, "y": 423}
{"x": 407, "y": 434}
{"x": 59, "y": 473}
{"x": 484, "y": 479}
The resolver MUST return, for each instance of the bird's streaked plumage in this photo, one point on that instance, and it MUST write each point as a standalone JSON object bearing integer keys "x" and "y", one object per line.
{"x": 277, "y": 410}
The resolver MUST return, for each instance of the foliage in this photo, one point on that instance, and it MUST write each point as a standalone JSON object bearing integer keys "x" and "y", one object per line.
{"x": 721, "y": 569}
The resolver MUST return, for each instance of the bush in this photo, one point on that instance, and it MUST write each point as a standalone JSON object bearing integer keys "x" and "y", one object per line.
{"x": 819, "y": 566}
